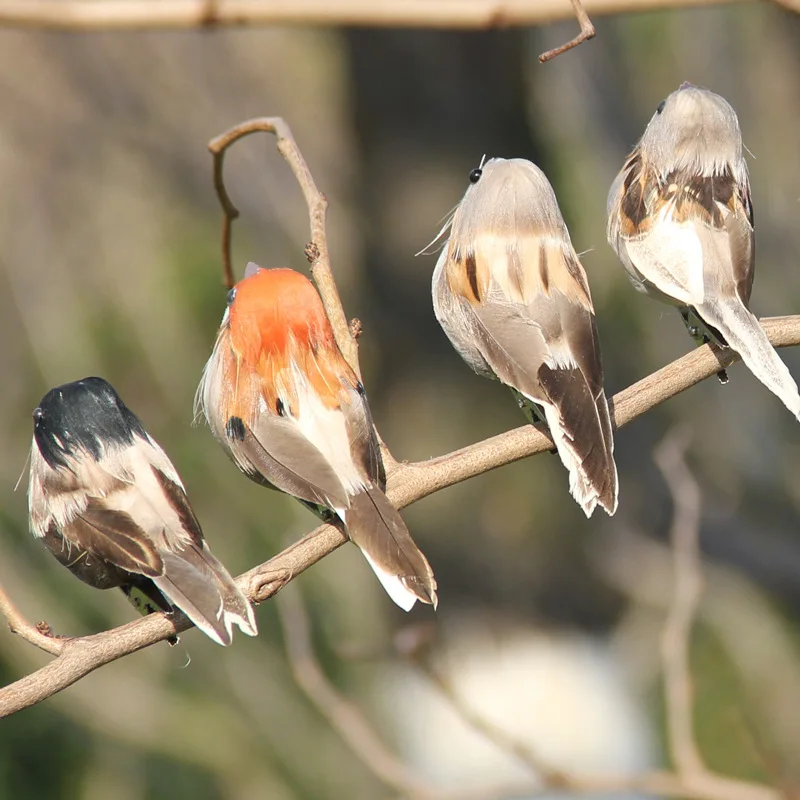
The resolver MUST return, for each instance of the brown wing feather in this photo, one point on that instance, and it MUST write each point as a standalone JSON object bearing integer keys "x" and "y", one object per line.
{"x": 283, "y": 457}
{"x": 742, "y": 240}
{"x": 363, "y": 441}
{"x": 114, "y": 537}
{"x": 177, "y": 498}
{"x": 518, "y": 352}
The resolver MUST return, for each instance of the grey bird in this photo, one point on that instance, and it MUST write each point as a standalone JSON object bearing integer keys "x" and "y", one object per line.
{"x": 681, "y": 221}
{"x": 107, "y": 502}
{"x": 511, "y": 295}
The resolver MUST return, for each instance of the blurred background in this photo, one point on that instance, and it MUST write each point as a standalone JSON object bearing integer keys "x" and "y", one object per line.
{"x": 548, "y": 623}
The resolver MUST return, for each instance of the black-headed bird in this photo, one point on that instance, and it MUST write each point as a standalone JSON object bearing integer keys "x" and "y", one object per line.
{"x": 107, "y": 502}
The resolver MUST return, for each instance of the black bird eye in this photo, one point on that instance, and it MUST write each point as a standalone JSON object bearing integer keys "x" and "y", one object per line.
{"x": 231, "y": 295}
{"x": 37, "y": 414}
{"x": 475, "y": 175}
{"x": 661, "y": 106}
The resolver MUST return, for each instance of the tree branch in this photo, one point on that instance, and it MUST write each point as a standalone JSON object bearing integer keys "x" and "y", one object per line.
{"x": 367, "y": 745}
{"x": 317, "y": 248}
{"x": 688, "y": 587}
{"x": 587, "y": 32}
{"x": 407, "y": 483}
{"x": 93, "y": 15}
{"x": 29, "y": 632}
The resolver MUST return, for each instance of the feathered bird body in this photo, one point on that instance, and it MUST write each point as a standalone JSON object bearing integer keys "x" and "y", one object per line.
{"x": 512, "y": 296}
{"x": 291, "y": 413}
{"x": 108, "y": 503}
{"x": 681, "y": 220}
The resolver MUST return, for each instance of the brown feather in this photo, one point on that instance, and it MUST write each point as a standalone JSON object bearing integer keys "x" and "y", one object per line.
{"x": 378, "y": 529}
{"x": 114, "y": 536}
{"x": 180, "y": 504}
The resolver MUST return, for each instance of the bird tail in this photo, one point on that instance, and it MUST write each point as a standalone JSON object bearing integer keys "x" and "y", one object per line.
{"x": 744, "y": 334}
{"x": 581, "y": 429}
{"x": 375, "y": 525}
{"x": 194, "y": 581}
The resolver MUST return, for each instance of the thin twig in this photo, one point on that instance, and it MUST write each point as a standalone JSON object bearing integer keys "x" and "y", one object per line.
{"x": 587, "y": 32}
{"x": 348, "y": 720}
{"x": 407, "y": 483}
{"x": 343, "y": 715}
{"x": 27, "y": 630}
{"x": 93, "y": 15}
{"x": 317, "y": 248}
{"x": 688, "y": 586}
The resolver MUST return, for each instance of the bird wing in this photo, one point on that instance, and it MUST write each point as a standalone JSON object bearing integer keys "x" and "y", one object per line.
{"x": 560, "y": 368}
{"x": 364, "y": 446}
{"x": 114, "y": 536}
{"x": 275, "y": 449}
{"x": 689, "y": 236}
{"x": 532, "y": 324}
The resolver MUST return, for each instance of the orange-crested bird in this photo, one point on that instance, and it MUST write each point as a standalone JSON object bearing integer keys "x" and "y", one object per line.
{"x": 281, "y": 399}
{"x": 512, "y": 297}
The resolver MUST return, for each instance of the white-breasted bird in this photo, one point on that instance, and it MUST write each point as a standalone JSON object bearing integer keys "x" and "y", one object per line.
{"x": 681, "y": 221}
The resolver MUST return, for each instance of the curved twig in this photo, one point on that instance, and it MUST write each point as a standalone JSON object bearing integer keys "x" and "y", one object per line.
{"x": 18, "y": 624}
{"x": 317, "y": 248}
{"x": 587, "y": 31}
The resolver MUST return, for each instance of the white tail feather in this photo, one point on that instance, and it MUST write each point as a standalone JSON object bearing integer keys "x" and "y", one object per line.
{"x": 393, "y": 586}
{"x": 745, "y": 335}
{"x": 580, "y": 488}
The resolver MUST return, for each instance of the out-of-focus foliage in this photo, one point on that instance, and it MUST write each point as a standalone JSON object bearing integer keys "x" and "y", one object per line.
{"x": 109, "y": 265}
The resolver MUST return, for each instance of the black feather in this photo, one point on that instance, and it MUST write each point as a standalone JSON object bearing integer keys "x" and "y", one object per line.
{"x": 85, "y": 415}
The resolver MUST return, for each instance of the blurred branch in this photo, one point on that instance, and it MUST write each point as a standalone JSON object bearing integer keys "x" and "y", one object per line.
{"x": 699, "y": 784}
{"x": 587, "y": 32}
{"x": 551, "y": 777}
{"x": 87, "y": 15}
{"x": 740, "y": 615}
{"x": 349, "y": 721}
{"x": 342, "y": 714}
{"x": 688, "y": 586}
{"x": 316, "y": 250}
{"x": 407, "y": 483}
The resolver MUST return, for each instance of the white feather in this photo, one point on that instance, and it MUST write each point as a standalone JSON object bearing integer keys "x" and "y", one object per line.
{"x": 670, "y": 256}
{"x": 326, "y": 429}
{"x": 393, "y": 585}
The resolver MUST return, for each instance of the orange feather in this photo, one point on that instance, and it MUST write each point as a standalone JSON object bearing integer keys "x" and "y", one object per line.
{"x": 277, "y": 320}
